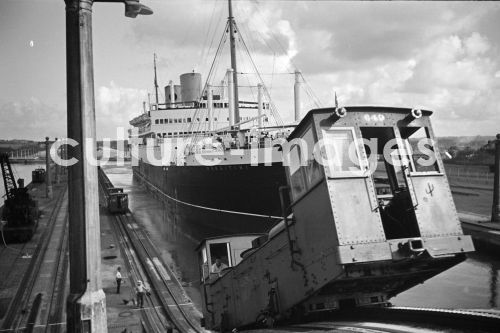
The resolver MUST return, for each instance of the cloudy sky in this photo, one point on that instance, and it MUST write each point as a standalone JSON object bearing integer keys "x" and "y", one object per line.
{"x": 443, "y": 56}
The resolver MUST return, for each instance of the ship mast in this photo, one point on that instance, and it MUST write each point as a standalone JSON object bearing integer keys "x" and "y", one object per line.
{"x": 156, "y": 81}
{"x": 232, "y": 41}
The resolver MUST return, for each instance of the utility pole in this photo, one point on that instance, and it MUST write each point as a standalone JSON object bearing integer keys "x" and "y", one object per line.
{"x": 296, "y": 93}
{"x": 495, "y": 211}
{"x": 56, "y": 168}
{"x": 156, "y": 81}
{"x": 86, "y": 302}
{"x": 232, "y": 42}
{"x": 48, "y": 181}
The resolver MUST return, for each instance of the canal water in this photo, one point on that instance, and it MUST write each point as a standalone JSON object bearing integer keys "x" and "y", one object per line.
{"x": 473, "y": 284}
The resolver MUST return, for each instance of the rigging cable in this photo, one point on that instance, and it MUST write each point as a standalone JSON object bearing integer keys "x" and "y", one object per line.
{"x": 273, "y": 108}
{"x": 202, "y": 55}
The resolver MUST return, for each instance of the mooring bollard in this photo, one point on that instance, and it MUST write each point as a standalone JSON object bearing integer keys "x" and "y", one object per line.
{"x": 495, "y": 211}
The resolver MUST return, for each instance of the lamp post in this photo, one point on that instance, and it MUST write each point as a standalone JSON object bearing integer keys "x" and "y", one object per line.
{"x": 495, "y": 211}
{"x": 48, "y": 181}
{"x": 86, "y": 302}
{"x": 56, "y": 168}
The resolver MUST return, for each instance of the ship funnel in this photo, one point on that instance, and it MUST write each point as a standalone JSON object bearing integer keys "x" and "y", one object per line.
{"x": 171, "y": 95}
{"x": 190, "y": 86}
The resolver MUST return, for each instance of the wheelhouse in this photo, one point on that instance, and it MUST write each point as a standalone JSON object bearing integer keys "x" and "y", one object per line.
{"x": 230, "y": 250}
{"x": 386, "y": 160}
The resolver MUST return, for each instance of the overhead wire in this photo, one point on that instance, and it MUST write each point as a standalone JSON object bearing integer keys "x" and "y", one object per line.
{"x": 202, "y": 54}
{"x": 273, "y": 108}
{"x": 315, "y": 98}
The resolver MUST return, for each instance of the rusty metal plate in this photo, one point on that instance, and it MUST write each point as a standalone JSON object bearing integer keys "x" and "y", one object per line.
{"x": 349, "y": 254}
{"x": 356, "y": 218}
{"x": 448, "y": 245}
{"x": 436, "y": 213}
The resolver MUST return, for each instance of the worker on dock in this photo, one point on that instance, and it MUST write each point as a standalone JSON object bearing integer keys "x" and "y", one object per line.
{"x": 118, "y": 279}
{"x": 140, "y": 290}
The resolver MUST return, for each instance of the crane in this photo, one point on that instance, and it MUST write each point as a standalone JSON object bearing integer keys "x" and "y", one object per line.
{"x": 20, "y": 210}
{"x": 8, "y": 176}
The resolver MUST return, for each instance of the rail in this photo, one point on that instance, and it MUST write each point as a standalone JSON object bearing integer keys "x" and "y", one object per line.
{"x": 144, "y": 262}
{"x": 15, "y": 314}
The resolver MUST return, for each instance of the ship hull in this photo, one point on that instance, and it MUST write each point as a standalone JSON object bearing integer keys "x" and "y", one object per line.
{"x": 203, "y": 202}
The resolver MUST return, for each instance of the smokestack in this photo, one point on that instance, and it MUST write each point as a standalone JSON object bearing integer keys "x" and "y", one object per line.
{"x": 230, "y": 96}
{"x": 296, "y": 90}
{"x": 259, "y": 101}
{"x": 172, "y": 93}
{"x": 210, "y": 106}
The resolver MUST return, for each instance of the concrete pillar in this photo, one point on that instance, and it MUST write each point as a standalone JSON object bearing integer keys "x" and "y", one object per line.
{"x": 210, "y": 108}
{"x": 296, "y": 92}
{"x": 230, "y": 96}
{"x": 48, "y": 181}
{"x": 259, "y": 102}
{"x": 86, "y": 302}
{"x": 495, "y": 211}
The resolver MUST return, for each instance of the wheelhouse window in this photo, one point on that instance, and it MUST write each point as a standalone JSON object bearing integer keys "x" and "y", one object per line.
{"x": 305, "y": 171}
{"x": 420, "y": 149}
{"x": 312, "y": 169}
{"x": 296, "y": 178}
{"x": 341, "y": 152}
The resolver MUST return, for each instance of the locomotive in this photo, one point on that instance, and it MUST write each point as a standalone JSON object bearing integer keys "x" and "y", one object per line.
{"x": 371, "y": 216}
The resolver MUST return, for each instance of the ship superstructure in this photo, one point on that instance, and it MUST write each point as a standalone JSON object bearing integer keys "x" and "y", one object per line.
{"x": 213, "y": 156}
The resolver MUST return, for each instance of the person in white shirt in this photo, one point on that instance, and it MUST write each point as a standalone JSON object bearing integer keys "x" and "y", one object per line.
{"x": 140, "y": 290}
{"x": 218, "y": 267}
{"x": 118, "y": 279}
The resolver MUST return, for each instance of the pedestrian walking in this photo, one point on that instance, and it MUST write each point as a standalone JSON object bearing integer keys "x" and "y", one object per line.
{"x": 140, "y": 290}
{"x": 118, "y": 279}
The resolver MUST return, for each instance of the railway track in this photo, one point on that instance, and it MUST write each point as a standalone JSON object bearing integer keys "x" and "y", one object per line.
{"x": 57, "y": 299}
{"x": 16, "y": 318}
{"x": 168, "y": 308}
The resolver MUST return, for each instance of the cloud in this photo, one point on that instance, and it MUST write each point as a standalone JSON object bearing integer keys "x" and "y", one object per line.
{"x": 443, "y": 56}
{"x": 115, "y": 106}
{"x": 31, "y": 119}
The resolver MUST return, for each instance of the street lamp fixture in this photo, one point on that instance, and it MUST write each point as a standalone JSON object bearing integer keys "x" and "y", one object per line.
{"x": 132, "y": 7}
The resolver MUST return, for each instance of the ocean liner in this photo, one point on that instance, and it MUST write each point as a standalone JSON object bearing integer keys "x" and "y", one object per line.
{"x": 215, "y": 158}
